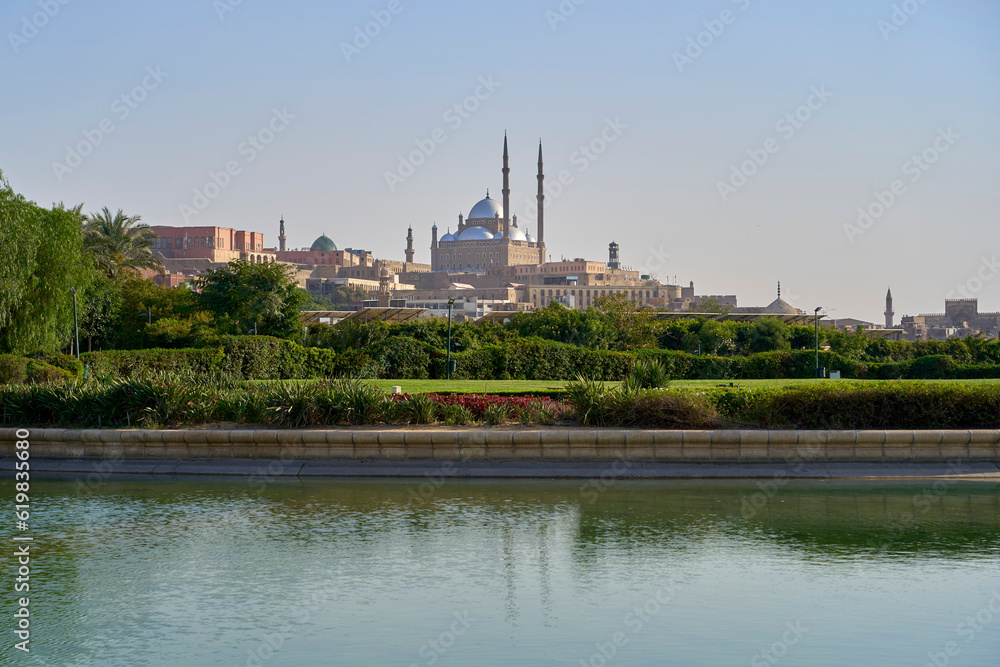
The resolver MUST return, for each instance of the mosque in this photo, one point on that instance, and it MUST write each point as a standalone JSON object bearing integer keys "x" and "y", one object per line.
{"x": 490, "y": 239}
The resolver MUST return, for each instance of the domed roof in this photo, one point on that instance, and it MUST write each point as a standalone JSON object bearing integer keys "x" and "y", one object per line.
{"x": 487, "y": 208}
{"x": 531, "y": 239}
{"x": 476, "y": 234}
{"x": 781, "y": 307}
{"x": 384, "y": 273}
{"x": 447, "y": 238}
{"x": 324, "y": 244}
{"x": 515, "y": 235}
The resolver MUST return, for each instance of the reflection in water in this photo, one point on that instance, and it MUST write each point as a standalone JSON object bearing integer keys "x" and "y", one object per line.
{"x": 354, "y": 572}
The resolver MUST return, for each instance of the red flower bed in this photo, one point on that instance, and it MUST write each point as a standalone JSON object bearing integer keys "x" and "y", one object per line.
{"x": 478, "y": 403}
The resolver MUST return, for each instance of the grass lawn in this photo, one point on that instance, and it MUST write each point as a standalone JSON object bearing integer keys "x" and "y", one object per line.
{"x": 512, "y": 386}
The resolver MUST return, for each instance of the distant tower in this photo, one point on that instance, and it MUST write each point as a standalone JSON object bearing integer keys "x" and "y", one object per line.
{"x": 613, "y": 259}
{"x": 506, "y": 190}
{"x": 409, "y": 245}
{"x": 888, "y": 309}
{"x": 281, "y": 235}
{"x": 434, "y": 247}
{"x": 541, "y": 207}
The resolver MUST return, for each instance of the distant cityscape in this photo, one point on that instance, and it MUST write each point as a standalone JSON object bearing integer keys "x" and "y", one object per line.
{"x": 492, "y": 264}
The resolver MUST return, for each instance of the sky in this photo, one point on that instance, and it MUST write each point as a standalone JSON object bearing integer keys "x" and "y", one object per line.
{"x": 841, "y": 148}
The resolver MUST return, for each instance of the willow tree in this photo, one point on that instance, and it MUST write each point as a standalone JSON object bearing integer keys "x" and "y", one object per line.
{"x": 41, "y": 258}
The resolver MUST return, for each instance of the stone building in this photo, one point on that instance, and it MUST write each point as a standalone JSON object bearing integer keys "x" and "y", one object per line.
{"x": 961, "y": 318}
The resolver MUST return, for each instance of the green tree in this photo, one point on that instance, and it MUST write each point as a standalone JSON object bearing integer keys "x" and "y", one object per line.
{"x": 244, "y": 296}
{"x": 40, "y": 259}
{"x": 100, "y": 314}
{"x": 118, "y": 242}
{"x": 767, "y": 335}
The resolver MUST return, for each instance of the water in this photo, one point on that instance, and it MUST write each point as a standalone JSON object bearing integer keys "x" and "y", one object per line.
{"x": 349, "y": 572}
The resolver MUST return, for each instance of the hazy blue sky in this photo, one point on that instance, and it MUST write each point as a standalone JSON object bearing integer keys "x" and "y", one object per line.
{"x": 895, "y": 80}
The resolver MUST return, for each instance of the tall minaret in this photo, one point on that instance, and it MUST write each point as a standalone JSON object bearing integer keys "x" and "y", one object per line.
{"x": 888, "y": 309}
{"x": 409, "y": 245}
{"x": 506, "y": 190}
{"x": 281, "y": 235}
{"x": 434, "y": 247}
{"x": 541, "y": 207}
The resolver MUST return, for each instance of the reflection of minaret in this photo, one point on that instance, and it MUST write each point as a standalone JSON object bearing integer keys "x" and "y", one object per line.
{"x": 506, "y": 190}
{"x": 409, "y": 245}
{"x": 281, "y": 235}
{"x": 888, "y": 309}
{"x": 541, "y": 207}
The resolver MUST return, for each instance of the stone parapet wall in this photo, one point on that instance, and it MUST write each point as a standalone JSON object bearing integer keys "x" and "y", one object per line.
{"x": 571, "y": 444}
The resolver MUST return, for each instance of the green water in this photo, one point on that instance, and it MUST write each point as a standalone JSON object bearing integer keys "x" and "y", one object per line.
{"x": 195, "y": 572}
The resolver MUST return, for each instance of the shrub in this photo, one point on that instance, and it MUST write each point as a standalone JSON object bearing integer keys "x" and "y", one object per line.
{"x": 41, "y": 372}
{"x": 12, "y": 369}
{"x": 418, "y": 409}
{"x": 496, "y": 414}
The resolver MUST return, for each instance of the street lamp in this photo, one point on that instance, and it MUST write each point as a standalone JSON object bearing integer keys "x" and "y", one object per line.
{"x": 447, "y": 373}
{"x": 816, "y": 322}
{"x": 76, "y": 326}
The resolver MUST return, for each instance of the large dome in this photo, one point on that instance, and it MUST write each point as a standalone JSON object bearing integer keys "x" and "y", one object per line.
{"x": 486, "y": 209}
{"x": 476, "y": 234}
{"x": 324, "y": 244}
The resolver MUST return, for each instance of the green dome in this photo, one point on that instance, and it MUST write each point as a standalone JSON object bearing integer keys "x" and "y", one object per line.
{"x": 324, "y": 244}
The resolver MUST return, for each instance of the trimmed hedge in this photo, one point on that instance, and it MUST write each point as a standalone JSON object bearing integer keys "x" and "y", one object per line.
{"x": 266, "y": 358}
{"x": 896, "y": 405}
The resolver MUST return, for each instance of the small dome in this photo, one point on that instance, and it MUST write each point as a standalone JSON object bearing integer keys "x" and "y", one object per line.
{"x": 476, "y": 234}
{"x": 517, "y": 234}
{"x": 531, "y": 239}
{"x": 486, "y": 209}
{"x": 447, "y": 238}
{"x": 384, "y": 273}
{"x": 324, "y": 244}
{"x": 781, "y": 307}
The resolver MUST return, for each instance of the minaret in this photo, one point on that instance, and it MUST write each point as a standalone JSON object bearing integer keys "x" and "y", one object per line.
{"x": 506, "y": 190}
{"x": 434, "y": 247}
{"x": 281, "y": 235}
{"x": 541, "y": 207}
{"x": 888, "y": 309}
{"x": 409, "y": 246}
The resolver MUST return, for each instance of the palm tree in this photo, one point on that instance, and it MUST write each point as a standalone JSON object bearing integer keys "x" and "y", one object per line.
{"x": 117, "y": 242}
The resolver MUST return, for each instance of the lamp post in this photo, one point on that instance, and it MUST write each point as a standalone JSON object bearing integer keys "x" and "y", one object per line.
{"x": 816, "y": 323}
{"x": 447, "y": 373}
{"x": 76, "y": 326}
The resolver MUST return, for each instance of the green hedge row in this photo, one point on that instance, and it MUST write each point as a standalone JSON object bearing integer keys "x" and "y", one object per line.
{"x": 895, "y": 405}
{"x": 265, "y": 358}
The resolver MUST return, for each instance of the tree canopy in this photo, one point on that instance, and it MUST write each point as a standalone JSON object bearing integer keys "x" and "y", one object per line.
{"x": 41, "y": 251}
{"x": 118, "y": 242}
{"x": 244, "y": 297}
